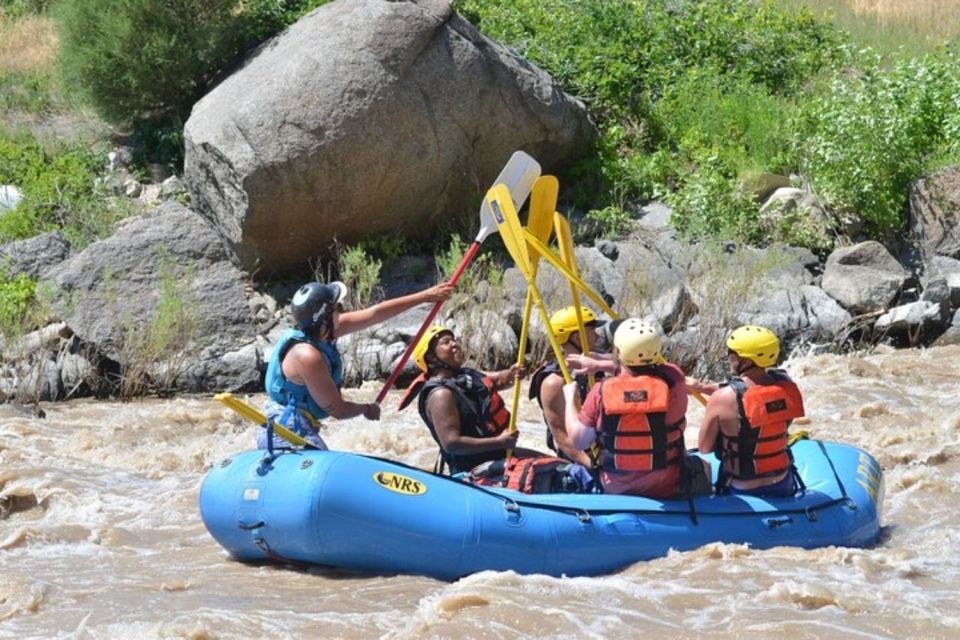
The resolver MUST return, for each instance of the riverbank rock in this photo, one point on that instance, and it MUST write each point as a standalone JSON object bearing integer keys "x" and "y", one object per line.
{"x": 34, "y": 256}
{"x": 864, "y": 277}
{"x": 364, "y": 118}
{"x": 935, "y": 214}
{"x": 163, "y": 279}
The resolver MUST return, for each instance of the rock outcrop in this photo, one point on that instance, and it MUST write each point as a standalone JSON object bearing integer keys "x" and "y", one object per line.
{"x": 363, "y": 118}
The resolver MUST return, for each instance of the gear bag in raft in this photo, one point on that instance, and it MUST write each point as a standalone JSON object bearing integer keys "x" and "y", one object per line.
{"x": 533, "y": 475}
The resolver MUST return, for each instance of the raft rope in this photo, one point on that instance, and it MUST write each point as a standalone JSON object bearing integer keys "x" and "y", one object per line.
{"x": 836, "y": 476}
{"x": 512, "y": 504}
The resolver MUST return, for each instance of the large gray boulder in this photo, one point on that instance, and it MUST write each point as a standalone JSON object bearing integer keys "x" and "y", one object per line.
{"x": 34, "y": 256}
{"x": 113, "y": 291}
{"x": 367, "y": 117}
{"x": 805, "y": 313}
{"x": 864, "y": 277}
{"x": 935, "y": 213}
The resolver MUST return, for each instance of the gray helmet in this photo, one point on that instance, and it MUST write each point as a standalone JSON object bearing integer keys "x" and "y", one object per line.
{"x": 314, "y": 303}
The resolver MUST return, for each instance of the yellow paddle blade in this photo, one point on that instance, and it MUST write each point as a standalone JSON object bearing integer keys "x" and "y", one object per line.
{"x": 508, "y": 224}
{"x": 543, "y": 201}
{"x": 569, "y": 257}
{"x": 242, "y": 408}
{"x": 797, "y": 435}
{"x": 505, "y": 216}
{"x": 543, "y": 204}
{"x": 559, "y": 265}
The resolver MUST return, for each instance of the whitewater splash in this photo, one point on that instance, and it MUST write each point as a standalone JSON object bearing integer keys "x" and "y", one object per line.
{"x": 100, "y": 536}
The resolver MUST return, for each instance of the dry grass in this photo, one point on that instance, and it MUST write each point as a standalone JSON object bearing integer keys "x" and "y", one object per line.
{"x": 931, "y": 12}
{"x": 27, "y": 44}
{"x": 916, "y": 25}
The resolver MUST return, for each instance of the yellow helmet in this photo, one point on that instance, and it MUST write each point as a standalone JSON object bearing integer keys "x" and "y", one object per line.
{"x": 420, "y": 351}
{"x": 564, "y": 322}
{"x": 758, "y": 344}
{"x": 638, "y": 342}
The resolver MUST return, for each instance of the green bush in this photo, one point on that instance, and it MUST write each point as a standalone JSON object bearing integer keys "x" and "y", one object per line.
{"x": 670, "y": 82}
{"x": 18, "y": 8}
{"x": 136, "y": 58}
{"x": 612, "y": 221}
{"x": 361, "y": 273}
{"x": 872, "y": 134}
{"x": 59, "y": 191}
{"x": 709, "y": 202}
{"x": 139, "y": 59}
{"x": 17, "y": 296}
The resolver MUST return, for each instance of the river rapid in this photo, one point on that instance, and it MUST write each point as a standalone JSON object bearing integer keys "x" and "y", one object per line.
{"x": 100, "y": 534}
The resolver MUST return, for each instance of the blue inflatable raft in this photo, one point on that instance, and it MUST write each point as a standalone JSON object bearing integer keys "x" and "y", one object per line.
{"x": 362, "y": 513}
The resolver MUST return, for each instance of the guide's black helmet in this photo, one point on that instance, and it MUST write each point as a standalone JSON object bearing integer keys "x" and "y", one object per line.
{"x": 314, "y": 303}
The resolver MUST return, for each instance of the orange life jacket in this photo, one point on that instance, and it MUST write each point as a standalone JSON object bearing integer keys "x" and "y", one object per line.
{"x": 760, "y": 448}
{"x": 634, "y": 433}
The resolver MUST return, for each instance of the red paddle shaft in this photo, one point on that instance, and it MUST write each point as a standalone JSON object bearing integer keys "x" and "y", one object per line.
{"x": 467, "y": 259}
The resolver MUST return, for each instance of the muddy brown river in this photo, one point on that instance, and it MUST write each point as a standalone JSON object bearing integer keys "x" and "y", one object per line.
{"x": 101, "y": 537}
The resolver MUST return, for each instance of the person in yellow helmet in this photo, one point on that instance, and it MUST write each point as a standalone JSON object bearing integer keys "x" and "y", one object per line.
{"x": 461, "y": 406}
{"x": 636, "y": 416}
{"x": 546, "y": 383}
{"x": 745, "y": 422}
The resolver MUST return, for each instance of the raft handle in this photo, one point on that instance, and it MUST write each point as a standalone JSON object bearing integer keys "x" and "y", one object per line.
{"x": 811, "y": 514}
{"x": 852, "y": 505}
{"x": 251, "y": 527}
{"x": 511, "y": 506}
{"x": 584, "y": 517}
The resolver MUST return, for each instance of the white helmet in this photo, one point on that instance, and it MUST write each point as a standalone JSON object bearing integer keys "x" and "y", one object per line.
{"x": 638, "y": 342}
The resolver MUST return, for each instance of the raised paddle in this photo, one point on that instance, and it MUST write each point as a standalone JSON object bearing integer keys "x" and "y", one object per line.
{"x": 518, "y": 175}
{"x": 543, "y": 202}
{"x": 248, "y": 412}
{"x": 559, "y": 265}
{"x": 565, "y": 243}
{"x": 513, "y": 234}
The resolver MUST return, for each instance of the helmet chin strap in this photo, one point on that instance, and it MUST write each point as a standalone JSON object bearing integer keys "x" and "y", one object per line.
{"x": 750, "y": 365}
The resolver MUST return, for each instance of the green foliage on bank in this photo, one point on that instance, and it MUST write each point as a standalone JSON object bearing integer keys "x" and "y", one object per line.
{"x": 692, "y": 98}
{"x": 146, "y": 62}
{"x": 138, "y": 59}
{"x": 60, "y": 190}
{"x": 875, "y": 131}
{"x": 17, "y": 295}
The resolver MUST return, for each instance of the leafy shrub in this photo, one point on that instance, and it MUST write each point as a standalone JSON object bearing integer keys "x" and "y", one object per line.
{"x": 619, "y": 55}
{"x": 59, "y": 191}
{"x": 870, "y": 136}
{"x": 139, "y": 59}
{"x": 19, "y": 8}
{"x": 17, "y": 296}
{"x": 670, "y": 82}
{"x": 612, "y": 221}
{"x": 136, "y": 58}
{"x": 709, "y": 203}
{"x": 483, "y": 269}
{"x": 361, "y": 273}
